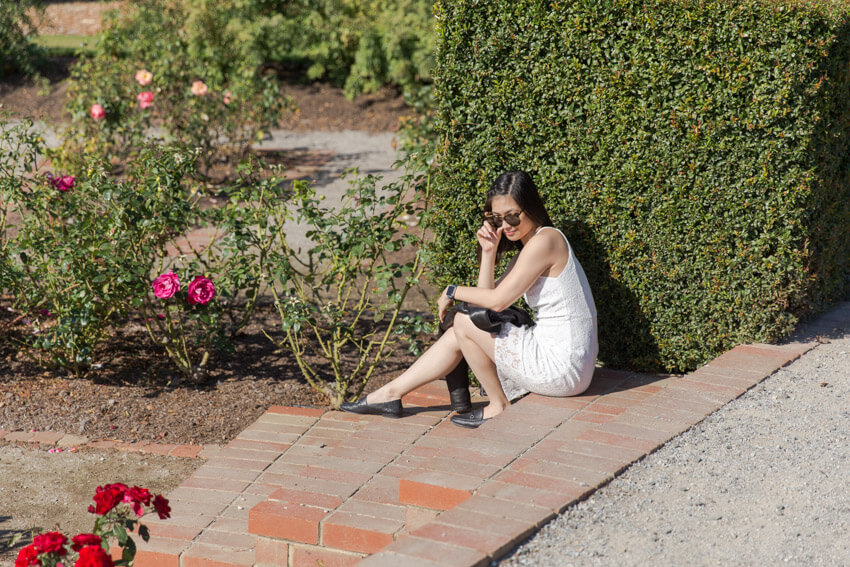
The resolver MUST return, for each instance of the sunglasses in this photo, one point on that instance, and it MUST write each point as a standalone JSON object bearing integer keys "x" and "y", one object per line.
{"x": 496, "y": 220}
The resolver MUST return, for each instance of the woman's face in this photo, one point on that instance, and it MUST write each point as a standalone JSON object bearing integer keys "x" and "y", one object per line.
{"x": 502, "y": 205}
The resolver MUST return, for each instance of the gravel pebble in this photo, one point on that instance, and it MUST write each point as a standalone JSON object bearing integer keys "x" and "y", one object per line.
{"x": 762, "y": 481}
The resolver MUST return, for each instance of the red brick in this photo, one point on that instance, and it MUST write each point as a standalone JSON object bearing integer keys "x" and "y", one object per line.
{"x": 224, "y": 484}
{"x": 436, "y": 490}
{"x": 601, "y": 407}
{"x": 185, "y": 493}
{"x": 619, "y": 454}
{"x": 159, "y": 552}
{"x": 223, "y": 538}
{"x": 353, "y": 532}
{"x": 439, "y": 552}
{"x": 565, "y": 404}
{"x": 387, "y": 511}
{"x": 159, "y": 448}
{"x": 286, "y": 521}
{"x": 172, "y": 531}
{"x": 386, "y": 559}
{"x": 346, "y": 477}
{"x": 213, "y": 470}
{"x": 186, "y": 451}
{"x": 527, "y": 513}
{"x": 206, "y": 555}
{"x": 289, "y": 410}
{"x": 379, "y": 489}
{"x": 47, "y": 437}
{"x": 340, "y": 489}
{"x": 249, "y": 454}
{"x": 20, "y": 436}
{"x": 271, "y": 551}
{"x": 416, "y": 517}
{"x": 541, "y": 482}
{"x": 616, "y": 440}
{"x": 485, "y": 542}
{"x": 668, "y": 412}
{"x": 591, "y": 417}
{"x": 619, "y": 428}
{"x": 580, "y": 475}
{"x": 242, "y": 464}
{"x": 525, "y": 495}
{"x": 258, "y": 445}
{"x": 313, "y": 557}
{"x": 302, "y": 497}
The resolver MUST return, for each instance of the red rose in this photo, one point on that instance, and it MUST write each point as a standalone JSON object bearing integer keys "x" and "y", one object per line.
{"x": 51, "y": 542}
{"x": 27, "y": 556}
{"x": 93, "y": 556}
{"x": 107, "y": 497}
{"x": 201, "y": 290}
{"x": 161, "y": 506}
{"x": 137, "y": 496}
{"x": 80, "y": 541}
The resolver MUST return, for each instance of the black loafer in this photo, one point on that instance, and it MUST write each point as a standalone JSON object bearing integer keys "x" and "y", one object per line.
{"x": 471, "y": 419}
{"x": 387, "y": 409}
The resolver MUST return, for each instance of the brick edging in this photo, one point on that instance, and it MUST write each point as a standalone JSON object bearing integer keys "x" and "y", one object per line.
{"x": 57, "y": 441}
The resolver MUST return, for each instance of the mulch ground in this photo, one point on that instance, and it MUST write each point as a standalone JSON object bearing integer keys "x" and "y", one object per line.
{"x": 132, "y": 397}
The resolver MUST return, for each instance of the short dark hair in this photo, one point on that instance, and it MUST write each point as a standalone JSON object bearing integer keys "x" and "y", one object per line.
{"x": 519, "y": 186}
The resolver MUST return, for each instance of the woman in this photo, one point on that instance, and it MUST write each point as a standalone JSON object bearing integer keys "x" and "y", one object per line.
{"x": 555, "y": 357}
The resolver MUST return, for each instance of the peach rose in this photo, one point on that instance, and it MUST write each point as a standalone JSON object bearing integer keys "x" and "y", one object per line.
{"x": 144, "y": 77}
{"x": 199, "y": 88}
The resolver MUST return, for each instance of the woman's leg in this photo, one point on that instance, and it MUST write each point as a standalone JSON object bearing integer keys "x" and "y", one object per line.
{"x": 478, "y": 348}
{"x": 435, "y": 363}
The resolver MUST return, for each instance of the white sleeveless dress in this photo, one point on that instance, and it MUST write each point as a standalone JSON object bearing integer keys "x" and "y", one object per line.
{"x": 557, "y": 356}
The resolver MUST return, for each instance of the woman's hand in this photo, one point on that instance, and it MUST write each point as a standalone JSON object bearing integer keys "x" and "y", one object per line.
{"x": 488, "y": 237}
{"x": 444, "y": 304}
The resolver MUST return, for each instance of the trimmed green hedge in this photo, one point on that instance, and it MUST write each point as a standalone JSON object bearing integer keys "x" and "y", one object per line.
{"x": 695, "y": 153}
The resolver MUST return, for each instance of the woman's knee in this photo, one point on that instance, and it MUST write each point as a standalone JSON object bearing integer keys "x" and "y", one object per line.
{"x": 463, "y": 326}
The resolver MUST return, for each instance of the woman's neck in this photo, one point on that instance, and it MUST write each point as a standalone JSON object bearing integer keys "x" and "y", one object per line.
{"x": 531, "y": 234}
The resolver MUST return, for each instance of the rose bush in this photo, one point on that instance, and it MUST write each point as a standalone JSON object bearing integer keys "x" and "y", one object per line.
{"x": 345, "y": 294}
{"x": 115, "y": 506}
{"x": 201, "y": 89}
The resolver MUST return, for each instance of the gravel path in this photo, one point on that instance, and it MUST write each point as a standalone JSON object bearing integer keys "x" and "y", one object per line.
{"x": 765, "y": 480}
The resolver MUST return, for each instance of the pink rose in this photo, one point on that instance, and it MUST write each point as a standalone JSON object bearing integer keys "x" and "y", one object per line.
{"x": 97, "y": 112}
{"x": 144, "y": 77}
{"x": 145, "y": 99}
{"x": 226, "y": 98}
{"x": 201, "y": 290}
{"x": 63, "y": 182}
{"x": 166, "y": 285}
{"x": 199, "y": 88}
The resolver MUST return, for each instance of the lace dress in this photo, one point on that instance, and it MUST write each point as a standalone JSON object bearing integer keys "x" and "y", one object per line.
{"x": 555, "y": 357}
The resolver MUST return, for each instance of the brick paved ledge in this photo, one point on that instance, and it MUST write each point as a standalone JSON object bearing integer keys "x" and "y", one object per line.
{"x": 306, "y": 487}
{"x": 59, "y": 441}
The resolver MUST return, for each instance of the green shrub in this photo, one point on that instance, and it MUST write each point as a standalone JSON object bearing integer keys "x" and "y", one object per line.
{"x": 18, "y": 54}
{"x": 694, "y": 153}
{"x": 340, "y": 301}
{"x": 359, "y": 45}
{"x": 206, "y": 81}
{"x": 81, "y": 254}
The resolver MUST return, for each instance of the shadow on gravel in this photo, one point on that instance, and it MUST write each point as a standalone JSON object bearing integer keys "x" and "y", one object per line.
{"x": 11, "y": 540}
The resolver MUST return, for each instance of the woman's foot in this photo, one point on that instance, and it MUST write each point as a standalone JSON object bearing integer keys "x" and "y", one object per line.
{"x": 390, "y": 408}
{"x": 476, "y": 417}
